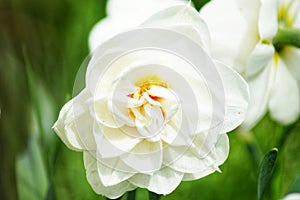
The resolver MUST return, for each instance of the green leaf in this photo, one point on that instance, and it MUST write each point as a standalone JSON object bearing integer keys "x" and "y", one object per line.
{"x": 295, "y": 187}
{"x": 199, "y": 3}
{"x": 32, "y": 180}
{"x": 266, "y": 172}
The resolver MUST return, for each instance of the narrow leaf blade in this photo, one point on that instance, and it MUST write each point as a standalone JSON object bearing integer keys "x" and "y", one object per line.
{"x": 32, "y": 180}
{"x": 265, "y": 172}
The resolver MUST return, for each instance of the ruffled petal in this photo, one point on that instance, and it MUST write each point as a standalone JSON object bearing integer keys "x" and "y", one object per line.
{"x": 236, "y": 97}
{"x": 189, "y": 161}
{"x": 183, "y": 19}
{"x": 74, "y": 124}
{"x": 284, "y": 96}
{"x": 219, "y": 154}
{"x": 94, "y": 180}
{"x": 110, "y": 174}
{"x": 163, "y": 181}
{"x": 146, "y": 157}
{"x": 114, "y": 142}
{"x": 103, "y": 114}
{"x": 183, "y": 159}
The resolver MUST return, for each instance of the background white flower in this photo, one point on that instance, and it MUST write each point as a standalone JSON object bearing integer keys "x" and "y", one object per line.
{"x": 292, "y": 196}
{"x": 242, "y": 34}
{"x": 156, "y": 107}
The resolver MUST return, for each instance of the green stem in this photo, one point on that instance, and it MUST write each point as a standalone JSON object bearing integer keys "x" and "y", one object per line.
{"x": 254, "y": 153}
{"x": 287, "y": 36}
{"x": 252, "y": 147}
{"x": 131, "y": 195}
{"x": 153, "y": 196}
{"x": 286, "y": 132}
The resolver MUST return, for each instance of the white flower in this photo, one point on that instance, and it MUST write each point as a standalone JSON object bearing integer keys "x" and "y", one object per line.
{"x": 292, "y": 196}
{"x": 156, "y": 107}
{"x": 122, "y": 15}
{"x": 242, "y": 34}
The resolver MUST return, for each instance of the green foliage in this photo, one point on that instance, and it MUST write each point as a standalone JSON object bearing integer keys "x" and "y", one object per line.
{"x": 295, "y": 187}
{"x": 131, "y": 195}
{"x": 199, "y": 3}
{"x": 32, "y": 179}
{"x": 266, "y": 172}
{"x": 153, "y": 196}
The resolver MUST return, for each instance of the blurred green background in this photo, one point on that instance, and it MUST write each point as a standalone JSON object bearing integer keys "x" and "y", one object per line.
{"x": 42, "y": 45}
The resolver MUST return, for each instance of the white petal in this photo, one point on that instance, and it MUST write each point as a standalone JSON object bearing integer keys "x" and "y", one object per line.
{"x": 236, "y": 97}
{"x": 74, "y": 124}
{"x": 103, "y": 114}
{"x": 184, "y": 133}
{"x": 189, "y": 161}
{"x": 259, "y": 87}
{"x": 284, "y": 96}
{"x": 69, "y": 138}
{"x": 106, "y": 148}
{"x": 250, "y": 10}
{"x": 119, "y": 103}
{"x": 259, "y": 58}
{"x": 291, "y": 57}
{"x": 113, "y": 142}
{"x": 146, "y": 157}
{"x": 109, "y": 173}
{"x": 101, "y": 74}
{"x": 114, "y": 163}
{"x": 94, "y": 180}
{"x": 163, "y": 181}
{"x": 104, "y": 30}
{"x": 169, "y": 133}
{"x": 157, "y": 119}
{"x": 292, "y": 196}
{"x": 183, "y": 160}
{"x": 220, "y": 154}
{"x": 233, "y": 36}
{"x": 293, "y": 12}
{"x": 297, "y": 21}
{"x": 267, "y": 22}
{"x": 198, "y": 175}
{"x": 183, "y": 19}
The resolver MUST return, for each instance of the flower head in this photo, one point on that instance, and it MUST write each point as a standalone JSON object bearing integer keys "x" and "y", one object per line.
{"x": 243, "y": 34}
{"x": 156, "y": 107}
